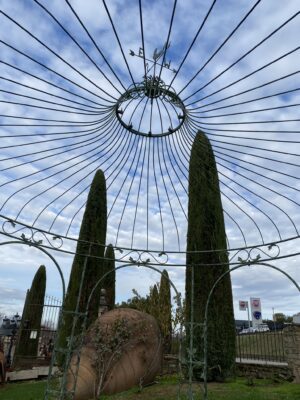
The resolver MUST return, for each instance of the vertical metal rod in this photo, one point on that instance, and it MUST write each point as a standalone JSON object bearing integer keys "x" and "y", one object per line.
{"x": 263, "y": 340}
{"x": 54, "y": 317}
{"x": 239, "y": 346}
{"x": 75, "y": 320}
{"x": 205, "y": 352}
{"x": 248, "y": 315}
{"x": 62, "y": 394}
{"x": 191, "y": 338}
{"x": 48, "y": 389}
{"x": 274, "y": 345}
{"x": 179, "y": 306}
{"x": 282, "y": 357}
{"x": 258, "y": 344}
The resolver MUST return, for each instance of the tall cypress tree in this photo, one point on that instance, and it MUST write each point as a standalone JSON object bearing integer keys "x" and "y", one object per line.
{"x": 206, "y": 232}
{"x": 93, "y": 230}
{"x": 153, "y": 302}
{"x": 109, "y": 283}
{"x": 28, "y": 340}
{"x": 165, "y": 310}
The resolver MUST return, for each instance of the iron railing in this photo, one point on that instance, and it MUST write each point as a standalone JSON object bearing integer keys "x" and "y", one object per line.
{"x": 266, "y": 346}
{"x": 45, "y": 334}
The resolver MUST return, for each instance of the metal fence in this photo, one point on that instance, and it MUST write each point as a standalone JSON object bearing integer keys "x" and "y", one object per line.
{"x": 50, "y": 317}
{"x": 267, "y": 346}
{"x": 43, "y": 336}
{"x": 264, "y": 346}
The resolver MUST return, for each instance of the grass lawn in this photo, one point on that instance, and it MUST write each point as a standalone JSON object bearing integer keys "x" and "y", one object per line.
{"x": 167, "y": 388}
{"x": 32, "y": 390}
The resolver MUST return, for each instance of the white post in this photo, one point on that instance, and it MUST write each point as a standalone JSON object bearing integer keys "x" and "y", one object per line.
{"x": 274, "y": 322}
{"x": 248, "y": 315}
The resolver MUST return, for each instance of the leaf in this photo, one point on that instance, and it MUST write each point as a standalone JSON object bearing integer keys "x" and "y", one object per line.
{"x": 198, "y": 363}
{"x": 258, "y": 257}
{"x": 191, "y": 352}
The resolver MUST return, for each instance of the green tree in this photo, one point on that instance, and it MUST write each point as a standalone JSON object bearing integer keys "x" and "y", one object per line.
{"x": 92, "y": 230}
{"x": 148, "y": 304}
{"x": 109, "y": 283}
{"x": 280, "y": 317}
{"x": 137, "y": 302}
{"x": 153, "y": 302}
{"x": 206, "y": 235}
{"x": 28, "y": 340}
{"x": 165, "y": 310}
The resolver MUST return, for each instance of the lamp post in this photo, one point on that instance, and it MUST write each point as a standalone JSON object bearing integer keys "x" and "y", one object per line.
{"x": 248, "y": 314}
{"x": 274, "y": 322}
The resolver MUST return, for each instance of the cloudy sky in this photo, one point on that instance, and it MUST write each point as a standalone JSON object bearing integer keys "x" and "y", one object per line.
{"x": 65, "y": 65}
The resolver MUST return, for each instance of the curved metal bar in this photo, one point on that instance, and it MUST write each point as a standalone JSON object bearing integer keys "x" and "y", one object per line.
{"x": 30, "y": 244}
{"x": 50, "y": 84}
{"x": 177, "y": 297}
{"x": 151, "y": 88}
{"x": 209, "y": 298}
{"x": 55, "y": 72}
{"x": 245, "y": 54}
{"x": 223, "y": 43}
{"x": 178, "y": 294}
{"x": 129, "y": 250}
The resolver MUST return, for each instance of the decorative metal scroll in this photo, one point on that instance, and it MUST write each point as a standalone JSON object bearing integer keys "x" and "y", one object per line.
{"x": 247, "y": 255}
{"x": 31, "y": 235}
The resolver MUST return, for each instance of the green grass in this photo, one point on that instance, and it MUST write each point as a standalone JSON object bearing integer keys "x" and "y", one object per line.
{"x": 32, "y": 390}
{"x": 166, "y": 389}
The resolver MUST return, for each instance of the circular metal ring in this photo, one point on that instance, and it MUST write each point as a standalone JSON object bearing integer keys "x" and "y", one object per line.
{"x": 152, "y": 88}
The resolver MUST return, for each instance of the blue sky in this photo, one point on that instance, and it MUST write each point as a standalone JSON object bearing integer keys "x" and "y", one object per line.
{"x": 260, "y": 195}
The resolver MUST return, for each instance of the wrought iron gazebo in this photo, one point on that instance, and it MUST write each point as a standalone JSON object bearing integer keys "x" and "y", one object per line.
{"x": 125, "y": 87}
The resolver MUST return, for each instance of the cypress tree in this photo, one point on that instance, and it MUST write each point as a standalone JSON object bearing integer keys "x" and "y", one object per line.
{"x": 165, "y": 310}
{"x": 109, "y": 283}
{"x": 92, "y": 230}
{"x": 206, "y": 232}
{"x": 153, "y": 302}
{"x": 32, "y": 317}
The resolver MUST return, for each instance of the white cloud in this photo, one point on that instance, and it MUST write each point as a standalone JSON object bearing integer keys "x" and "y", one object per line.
{"x": 47, "y": 181}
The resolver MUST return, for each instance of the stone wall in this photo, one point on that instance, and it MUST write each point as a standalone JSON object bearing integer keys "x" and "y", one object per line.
{"x": 265, "y": 370}
{"x": 291, "y": 338}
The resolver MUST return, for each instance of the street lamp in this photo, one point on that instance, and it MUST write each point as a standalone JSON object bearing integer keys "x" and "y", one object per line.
{"x": 274, "y": 321}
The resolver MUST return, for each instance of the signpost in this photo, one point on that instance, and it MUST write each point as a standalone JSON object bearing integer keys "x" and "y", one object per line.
{"x": 244, "y": 305}
{"x": 256, "y": 311}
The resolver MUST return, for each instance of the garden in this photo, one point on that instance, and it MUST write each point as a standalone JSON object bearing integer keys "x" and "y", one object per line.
{"x": 149, "y": 177}
{"x": 167, "y": 388}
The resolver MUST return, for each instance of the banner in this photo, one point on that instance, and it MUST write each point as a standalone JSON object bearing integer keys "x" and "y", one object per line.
{"x": 256, "y": 311}
{"x": 243, "y": 305}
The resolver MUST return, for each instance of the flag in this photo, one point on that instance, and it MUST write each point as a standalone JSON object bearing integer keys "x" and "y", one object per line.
{"x": 255, "y": 303}
{"x": 243, "y": 305}
{"x": 256, "y": 311}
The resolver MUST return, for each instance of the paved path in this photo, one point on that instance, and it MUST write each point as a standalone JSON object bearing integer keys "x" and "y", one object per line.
{"x": 33, "y": 373}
